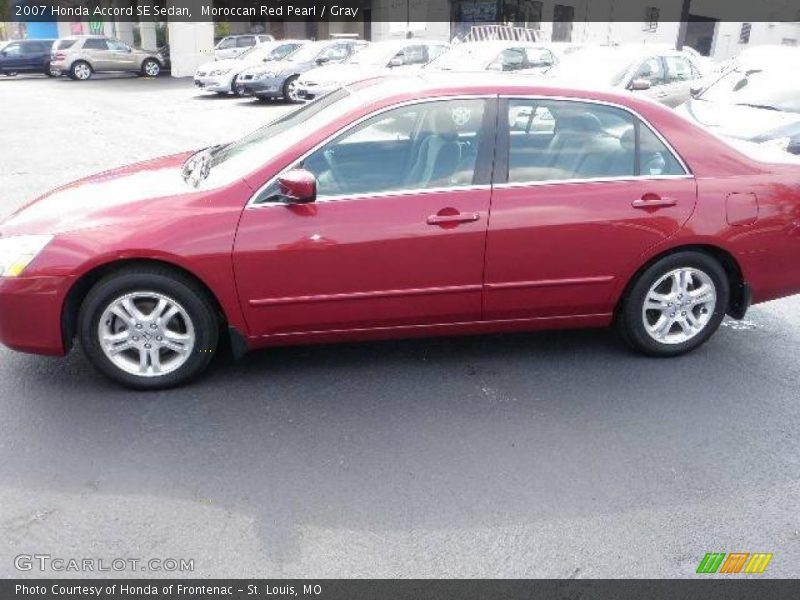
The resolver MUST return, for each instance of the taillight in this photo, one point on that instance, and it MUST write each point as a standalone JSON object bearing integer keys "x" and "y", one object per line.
{"x": 58, "y": 56}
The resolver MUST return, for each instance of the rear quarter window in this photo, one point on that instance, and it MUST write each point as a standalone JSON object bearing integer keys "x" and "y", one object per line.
{"x": 64, "y": 44}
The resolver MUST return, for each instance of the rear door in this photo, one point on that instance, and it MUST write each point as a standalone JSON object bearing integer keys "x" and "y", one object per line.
{"x": 576, "y": 202}
{"x": 14, "y": 57}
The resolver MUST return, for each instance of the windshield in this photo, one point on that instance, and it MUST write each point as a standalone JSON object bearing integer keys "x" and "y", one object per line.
{"x": 760, "y": 89}
{"x": 244, "y": 156}
{"x": 376, "y": 55}
{"x": 468, "y": 57}
{"x": 306, "y": 53}
{"x": 594, "y": 68}
{"x": 257, "y": 51}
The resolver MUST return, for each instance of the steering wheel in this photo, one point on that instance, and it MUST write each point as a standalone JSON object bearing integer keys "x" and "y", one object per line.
{"x": 336, "y": 174}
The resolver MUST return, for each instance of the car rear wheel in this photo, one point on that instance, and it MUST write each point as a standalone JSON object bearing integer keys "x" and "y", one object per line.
{"x": 235, "y": 90}
{"x": 80, "y": 70}
{"x": 10, "y": 73}
{"x": 51, "y": 72}
{"x": 151, "y": 68}
{"x": 290, "y": 90}
{"x": 148, "y": 327}
{"x": 675, "y": 305}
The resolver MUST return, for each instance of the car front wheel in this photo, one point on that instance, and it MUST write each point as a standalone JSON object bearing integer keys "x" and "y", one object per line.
{"x": 291, "y": 90}
{"x": 675, "y": 305}
{"x": 148, "y": 327}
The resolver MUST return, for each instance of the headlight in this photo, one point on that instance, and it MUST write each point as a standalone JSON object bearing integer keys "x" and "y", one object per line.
{"x": 18, "y": 251}
{"x": 220, "y": 72}
{"x": 781, "y": 143}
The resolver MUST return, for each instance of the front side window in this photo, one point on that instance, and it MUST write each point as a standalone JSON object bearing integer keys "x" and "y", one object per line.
{"x": 118, "y": 46}
{"x": 558, "y": 140}
{"x": 245, "y": 41}
{"x": 13, "y": 49}
{"x": 335, "y": 53}
{"x": 511, "y": 59}
{"x": 652, "y": 70}
{"x": 421, "y": 146}
{"x": 226, "y": 44}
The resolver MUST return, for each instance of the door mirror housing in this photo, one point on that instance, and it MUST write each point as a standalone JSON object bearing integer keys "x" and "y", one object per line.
{"x": 639, "y": 85}
{"x": 322, "y": 60}
{"x": 696, "y": 90}
{"x": 298, "y": 186}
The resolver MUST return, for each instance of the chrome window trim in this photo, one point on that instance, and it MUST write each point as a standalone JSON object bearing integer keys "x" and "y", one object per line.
{"x": 634, "y": 112}
{"x": 539, "y": 182}
{"x": 251, "y": 203}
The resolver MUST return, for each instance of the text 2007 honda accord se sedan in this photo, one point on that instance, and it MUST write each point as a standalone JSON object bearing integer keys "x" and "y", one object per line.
{"x": 405, "y": 207}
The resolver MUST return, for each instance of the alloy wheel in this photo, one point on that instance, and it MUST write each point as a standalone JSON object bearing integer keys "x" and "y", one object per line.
{"x": 147, "y": 334}
{"x": 292, "y": 91}
{"x": 151, "y": 68}
{"x": 679, "y": 305}
{"x": 82, "y": 71}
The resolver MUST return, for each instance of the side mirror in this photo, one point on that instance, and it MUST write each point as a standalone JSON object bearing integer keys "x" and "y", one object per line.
{"x": 298, "y": 186}
{"x": 695, "y": 90}
{"x": 397, "y": 61}
{"x": 322, "y": 60}
{"x": 639, "y": 85}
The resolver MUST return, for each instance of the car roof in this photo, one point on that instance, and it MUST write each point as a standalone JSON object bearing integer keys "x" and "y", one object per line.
{"x": 446, "y": 83}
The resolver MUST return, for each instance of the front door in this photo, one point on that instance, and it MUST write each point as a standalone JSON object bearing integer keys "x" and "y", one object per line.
{"x": 576, "y": 203}
{"x": 396, "y": 237}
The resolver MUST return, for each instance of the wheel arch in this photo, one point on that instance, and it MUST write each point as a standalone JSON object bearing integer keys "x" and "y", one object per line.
{"x": 739, "y": 299}
{"x": 77, "y": 292}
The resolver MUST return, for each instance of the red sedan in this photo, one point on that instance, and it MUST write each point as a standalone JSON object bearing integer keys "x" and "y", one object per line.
{"x": 405, "y": 207}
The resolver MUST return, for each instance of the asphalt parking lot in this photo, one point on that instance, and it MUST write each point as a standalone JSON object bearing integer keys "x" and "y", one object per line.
{"x": 557, "y": 454}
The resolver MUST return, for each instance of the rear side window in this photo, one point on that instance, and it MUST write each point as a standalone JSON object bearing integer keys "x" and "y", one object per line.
{"x": 678, "y": 69}
{"x": 64, "y": 44}
{"x": 95, "y": 44}
{"x": 558, "y": 140}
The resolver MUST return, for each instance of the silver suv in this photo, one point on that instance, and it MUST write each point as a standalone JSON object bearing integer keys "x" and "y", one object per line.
{"x": 80, "y": 56}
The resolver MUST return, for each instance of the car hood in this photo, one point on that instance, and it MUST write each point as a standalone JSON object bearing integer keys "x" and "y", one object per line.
{"x": 102, "y": 199}
{"x": 341, "y": 73}
{"x": 730, "y": 120}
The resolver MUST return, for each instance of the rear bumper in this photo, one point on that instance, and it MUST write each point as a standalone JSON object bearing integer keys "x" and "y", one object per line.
{"x": 30, "y": 314}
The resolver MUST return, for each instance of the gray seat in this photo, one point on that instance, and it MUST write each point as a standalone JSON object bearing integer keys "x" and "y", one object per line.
{"x": 438, "y": 155}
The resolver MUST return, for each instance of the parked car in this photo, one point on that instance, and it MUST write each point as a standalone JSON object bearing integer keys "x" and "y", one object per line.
{"x": 218, "y": 76}
{"x": 665, "y": 75}
{"x": 496, "y": 55}
{"x": 233, "y": 45}
{"x": 380, "y": 58}
{"x": 80, "y": 56}
{"x": 755, "y": 105}
{"x": 166, "y": 60}
{"x": 26, "y": 56}
{"x": 365, "y": 215}
{"x": 279, "y": 79}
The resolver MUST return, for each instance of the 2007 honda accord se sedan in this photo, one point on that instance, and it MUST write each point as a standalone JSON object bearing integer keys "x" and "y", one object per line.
{"x": 406, "y": 207}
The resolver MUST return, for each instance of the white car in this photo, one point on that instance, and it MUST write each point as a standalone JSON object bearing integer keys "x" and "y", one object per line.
{"x": 496, "y": 55}
{"x": 379, "y": 58}
{"x": 219, "y": 76}
{"x": 233, "y": 45}
{"x": 668, "y": 76}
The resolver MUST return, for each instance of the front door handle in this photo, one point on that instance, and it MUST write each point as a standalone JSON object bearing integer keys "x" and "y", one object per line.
{"x": 653, "y": 201}
{"x": 447, "y": 217}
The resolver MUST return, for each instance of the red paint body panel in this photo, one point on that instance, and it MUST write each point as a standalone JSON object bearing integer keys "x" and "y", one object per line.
{"x": 557, "y": 255}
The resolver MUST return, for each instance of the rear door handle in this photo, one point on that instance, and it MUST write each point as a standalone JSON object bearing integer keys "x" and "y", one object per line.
{"x": 440, "y": 219}
{"x": 653, "y": 201}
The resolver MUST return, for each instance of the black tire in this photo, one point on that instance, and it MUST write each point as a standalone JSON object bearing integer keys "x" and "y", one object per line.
{"x": 236, "y": 93}
{"x": 150, "y": 63}
{"x": 73, "y": 70}
{"x": 49, "y": 72}
{"x": 10, "y": 73}
{"x": 630, "y": 319}
{"x": 189, "y": 294}
{"x": 285, "y": 91}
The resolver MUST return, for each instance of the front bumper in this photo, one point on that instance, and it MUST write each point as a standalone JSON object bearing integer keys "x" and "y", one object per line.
{"x": 217, "y": 83}
{"x": 30, "y": 314}
{"x": 270, "y": 87}
{"x": 309, "y": 92}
